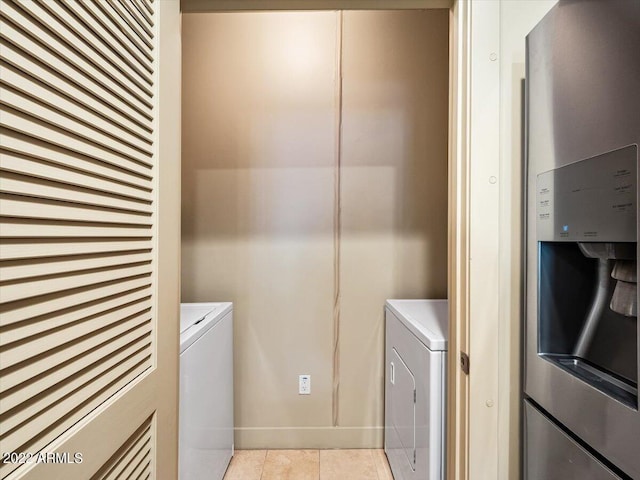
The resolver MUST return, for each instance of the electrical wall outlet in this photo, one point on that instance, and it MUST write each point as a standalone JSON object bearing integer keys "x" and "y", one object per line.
{"x": 304, "y": 384}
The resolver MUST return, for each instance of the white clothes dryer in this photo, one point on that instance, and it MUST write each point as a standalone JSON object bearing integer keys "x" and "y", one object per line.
{"x": 415, "y": 388}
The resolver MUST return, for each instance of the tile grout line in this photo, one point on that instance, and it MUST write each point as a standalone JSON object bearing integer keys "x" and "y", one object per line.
{"x": 264, "y": 460}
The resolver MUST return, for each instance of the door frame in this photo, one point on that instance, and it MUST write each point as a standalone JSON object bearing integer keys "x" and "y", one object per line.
{"x": 476, "y": 446}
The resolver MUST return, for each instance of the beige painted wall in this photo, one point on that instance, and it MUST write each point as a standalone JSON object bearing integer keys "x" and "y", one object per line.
{"x": 260, "y": 125}
{"x": 394, "y": 187}
{"x": 258, "y": 173}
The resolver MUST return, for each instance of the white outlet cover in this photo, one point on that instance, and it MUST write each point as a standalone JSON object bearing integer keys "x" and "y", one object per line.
{"x": 304, "y": 384}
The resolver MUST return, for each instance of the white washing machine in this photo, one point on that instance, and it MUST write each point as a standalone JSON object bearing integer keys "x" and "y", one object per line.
{"x": 415, "y": 388}
{"x": 206, "y": 390}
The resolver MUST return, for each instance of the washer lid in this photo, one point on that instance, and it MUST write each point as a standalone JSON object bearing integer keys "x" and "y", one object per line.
{"x": 427, "y": 319}
{"x": 192, "y": 313}
{"x": 198, "y": 318}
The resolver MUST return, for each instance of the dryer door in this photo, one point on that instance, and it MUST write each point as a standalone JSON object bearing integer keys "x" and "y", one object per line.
{"x": 403, "y": 407}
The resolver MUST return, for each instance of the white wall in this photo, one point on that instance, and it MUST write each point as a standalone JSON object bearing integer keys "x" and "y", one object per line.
{"x": 517, "y": 19}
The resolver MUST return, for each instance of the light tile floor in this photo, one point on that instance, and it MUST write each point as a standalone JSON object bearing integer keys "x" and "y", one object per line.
{"x": 309, "y": 465}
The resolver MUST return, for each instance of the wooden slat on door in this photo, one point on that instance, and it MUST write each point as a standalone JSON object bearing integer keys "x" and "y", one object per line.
{"x": 77, "y": 218}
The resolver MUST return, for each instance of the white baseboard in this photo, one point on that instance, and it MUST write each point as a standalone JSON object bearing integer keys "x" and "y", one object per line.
{"x": 249, "y": 438}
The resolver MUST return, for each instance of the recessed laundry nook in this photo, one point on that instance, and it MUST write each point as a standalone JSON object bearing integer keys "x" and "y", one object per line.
{"x": 314, "y": 188}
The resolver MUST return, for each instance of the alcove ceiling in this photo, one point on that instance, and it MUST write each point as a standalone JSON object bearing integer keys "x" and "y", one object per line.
{"x": 194, "y": 6}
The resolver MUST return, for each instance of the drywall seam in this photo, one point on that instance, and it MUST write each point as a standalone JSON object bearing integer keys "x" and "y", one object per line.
{"x": 337, "y": 223}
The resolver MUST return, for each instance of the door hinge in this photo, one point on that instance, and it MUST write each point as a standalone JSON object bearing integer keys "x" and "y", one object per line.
{"x": 414, "y": 456}
{"x": 414, "y": 395}
{"x": 464, "y": 362}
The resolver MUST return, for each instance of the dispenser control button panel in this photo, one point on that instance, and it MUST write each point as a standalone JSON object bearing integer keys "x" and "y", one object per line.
{"x": 594, "y": 200}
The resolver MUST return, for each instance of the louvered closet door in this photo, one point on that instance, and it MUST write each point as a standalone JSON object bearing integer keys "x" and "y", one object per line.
{"x": 88, "y": 352}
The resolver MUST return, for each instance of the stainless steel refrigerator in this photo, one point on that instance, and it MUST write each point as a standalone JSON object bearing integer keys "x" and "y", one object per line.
{"x": 580, "y": 407}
